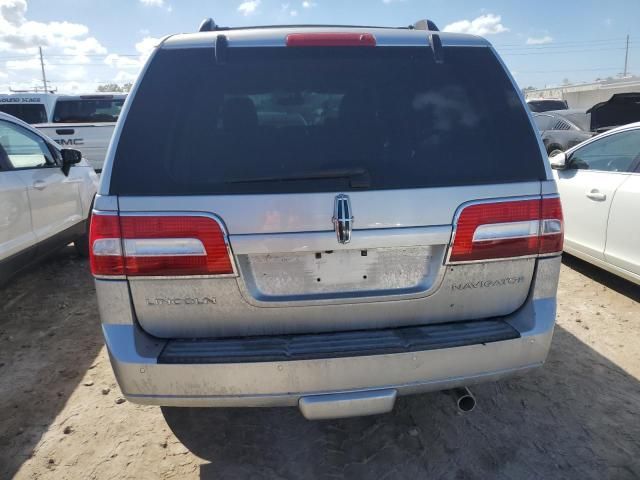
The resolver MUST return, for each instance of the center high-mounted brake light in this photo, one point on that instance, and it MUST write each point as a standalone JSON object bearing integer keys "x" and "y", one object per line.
{"x": 157, "y": 245}
{"x": 507, "y": 229}
{"x": 333, "y": 39}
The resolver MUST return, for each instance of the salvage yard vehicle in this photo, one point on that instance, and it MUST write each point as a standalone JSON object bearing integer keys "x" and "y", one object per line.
{"x": 82, "y": 122}
{"x": 562, "y": 130}
{"x": 599, "y": 184}
{"x": 546, "y": 104}
{"x": 324, "y": 217}
{"x": 45, "y": 196}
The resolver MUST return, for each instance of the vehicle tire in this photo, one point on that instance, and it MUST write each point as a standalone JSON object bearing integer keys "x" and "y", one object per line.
{"x": 82, "y": 243}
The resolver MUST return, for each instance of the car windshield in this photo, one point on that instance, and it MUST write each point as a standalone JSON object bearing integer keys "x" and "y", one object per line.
{"x": 276, "y": 120}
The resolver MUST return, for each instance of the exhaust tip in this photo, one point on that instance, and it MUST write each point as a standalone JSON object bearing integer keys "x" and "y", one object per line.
{"x": 465, "y": 400}
{"x": 466, "y": 403}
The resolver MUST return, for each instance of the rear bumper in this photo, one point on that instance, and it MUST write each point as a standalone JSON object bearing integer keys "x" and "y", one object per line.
{"x": 136, "y": 358}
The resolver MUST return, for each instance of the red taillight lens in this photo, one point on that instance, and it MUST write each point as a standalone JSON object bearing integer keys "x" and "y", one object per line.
{"x": 335, "y": 39}
{"x": 551, "y": 229}
{"x": 508, "y": 229}
{"x": 105, "y": 246}
{"x": 161, "y": 245}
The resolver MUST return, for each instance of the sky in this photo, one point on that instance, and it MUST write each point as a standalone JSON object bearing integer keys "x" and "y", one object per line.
{"x": 87, "y": 43}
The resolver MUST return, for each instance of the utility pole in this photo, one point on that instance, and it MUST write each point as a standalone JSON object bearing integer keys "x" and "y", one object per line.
{"x": 626, "y": 58}
{"x": 44, "y": 77}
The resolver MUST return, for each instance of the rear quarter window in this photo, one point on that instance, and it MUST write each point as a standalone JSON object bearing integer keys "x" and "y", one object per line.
{"x": 278, "y": 120}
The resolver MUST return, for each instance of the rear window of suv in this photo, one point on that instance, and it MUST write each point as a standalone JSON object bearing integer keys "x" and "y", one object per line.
{"x": 285, "y": 120}
{"x": 87, "y": 110}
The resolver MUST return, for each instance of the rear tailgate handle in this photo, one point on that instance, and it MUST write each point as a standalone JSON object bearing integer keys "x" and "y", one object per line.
{"x": 65, "y": 131}
{"x": 597, "y": 195}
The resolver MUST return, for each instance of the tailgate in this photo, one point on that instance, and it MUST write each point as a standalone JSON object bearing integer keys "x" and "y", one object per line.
{"x": 293, "y": 275}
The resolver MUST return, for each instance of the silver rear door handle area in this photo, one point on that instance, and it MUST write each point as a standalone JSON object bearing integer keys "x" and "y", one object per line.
{"x": 597, "y": 195}
{"x": 39, "y": 184}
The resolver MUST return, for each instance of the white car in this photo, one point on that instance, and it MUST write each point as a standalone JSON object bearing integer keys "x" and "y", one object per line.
{"x": 599, "y": 184}
{"x": 45, "y": 196}
{"x": 82, "y": 122}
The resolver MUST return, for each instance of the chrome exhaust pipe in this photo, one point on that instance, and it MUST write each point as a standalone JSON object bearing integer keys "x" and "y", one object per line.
{"x": 465, "y": 400}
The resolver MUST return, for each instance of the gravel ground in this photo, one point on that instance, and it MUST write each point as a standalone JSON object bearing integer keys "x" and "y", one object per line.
{"x": 62, "y": 416}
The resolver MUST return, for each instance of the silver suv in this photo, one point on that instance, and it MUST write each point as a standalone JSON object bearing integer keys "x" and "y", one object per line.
{"x": 324, "y": 217}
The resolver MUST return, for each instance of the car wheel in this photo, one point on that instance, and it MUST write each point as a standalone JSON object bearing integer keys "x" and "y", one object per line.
{"x": 82, "y": 245}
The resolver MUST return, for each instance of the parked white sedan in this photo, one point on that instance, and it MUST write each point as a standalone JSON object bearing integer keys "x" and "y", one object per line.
{"x": 45, "y": 196}
{"x": 599, "y": 184}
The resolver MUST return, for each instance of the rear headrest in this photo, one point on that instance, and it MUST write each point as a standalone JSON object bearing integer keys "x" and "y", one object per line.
{"x": 239, "y": 115}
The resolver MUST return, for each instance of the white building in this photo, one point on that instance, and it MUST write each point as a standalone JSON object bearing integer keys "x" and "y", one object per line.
{"x": 586, "y": 95}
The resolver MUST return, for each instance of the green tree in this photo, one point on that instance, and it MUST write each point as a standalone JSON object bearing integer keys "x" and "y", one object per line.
{"x": 114, "y": 87}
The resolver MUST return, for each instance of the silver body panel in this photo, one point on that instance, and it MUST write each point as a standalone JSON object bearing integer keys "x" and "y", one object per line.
{"x": 134, "y": 356}
{"x": 282, "y": 286}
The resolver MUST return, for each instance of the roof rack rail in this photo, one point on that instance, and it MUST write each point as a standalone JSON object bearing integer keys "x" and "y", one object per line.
{"x": 425, "y": 24}
{"x": 207, "y": 25}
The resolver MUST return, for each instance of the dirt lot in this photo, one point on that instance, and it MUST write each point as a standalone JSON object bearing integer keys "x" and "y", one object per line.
{"x": 61, "y": 416}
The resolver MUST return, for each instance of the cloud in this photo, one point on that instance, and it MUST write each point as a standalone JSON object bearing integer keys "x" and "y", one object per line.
{"x": 249, "y": 7}
{"x": 75, "y": 61}
{"x": 157, "y": 3}
{"x": 539, "y": 40}
{"x": 27, "y": 64}
{"x": 145, "y": 46}
{"x": 120, "y": 62}
{"x": 293, "y": 13}
{"x": 387, "y": 2}
{"x": 308, "y": 4}
{"x": 19, "y": 35}
{"x": 488, "y": 24}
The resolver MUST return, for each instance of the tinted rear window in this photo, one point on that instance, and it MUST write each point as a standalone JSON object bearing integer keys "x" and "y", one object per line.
{"x": 276, "y": 120}
{"x": 87, "y": 110}
{"x": 27, "y": 112}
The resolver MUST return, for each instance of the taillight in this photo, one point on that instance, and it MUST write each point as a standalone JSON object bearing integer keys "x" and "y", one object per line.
{"x": 507, "y": 229}
{"x": 158, "y": 245}
{"x": 105, "y": 246}
{"x": 334, "y": 39}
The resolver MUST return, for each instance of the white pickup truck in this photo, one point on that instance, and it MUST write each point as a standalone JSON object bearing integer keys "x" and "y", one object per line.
{"x": 82, "y": 122}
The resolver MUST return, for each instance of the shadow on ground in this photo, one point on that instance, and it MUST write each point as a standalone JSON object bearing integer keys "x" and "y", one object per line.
{"x": 49, "y": 337}
{"x": 609, "y": 280}
{"x": 575, "y": 418}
